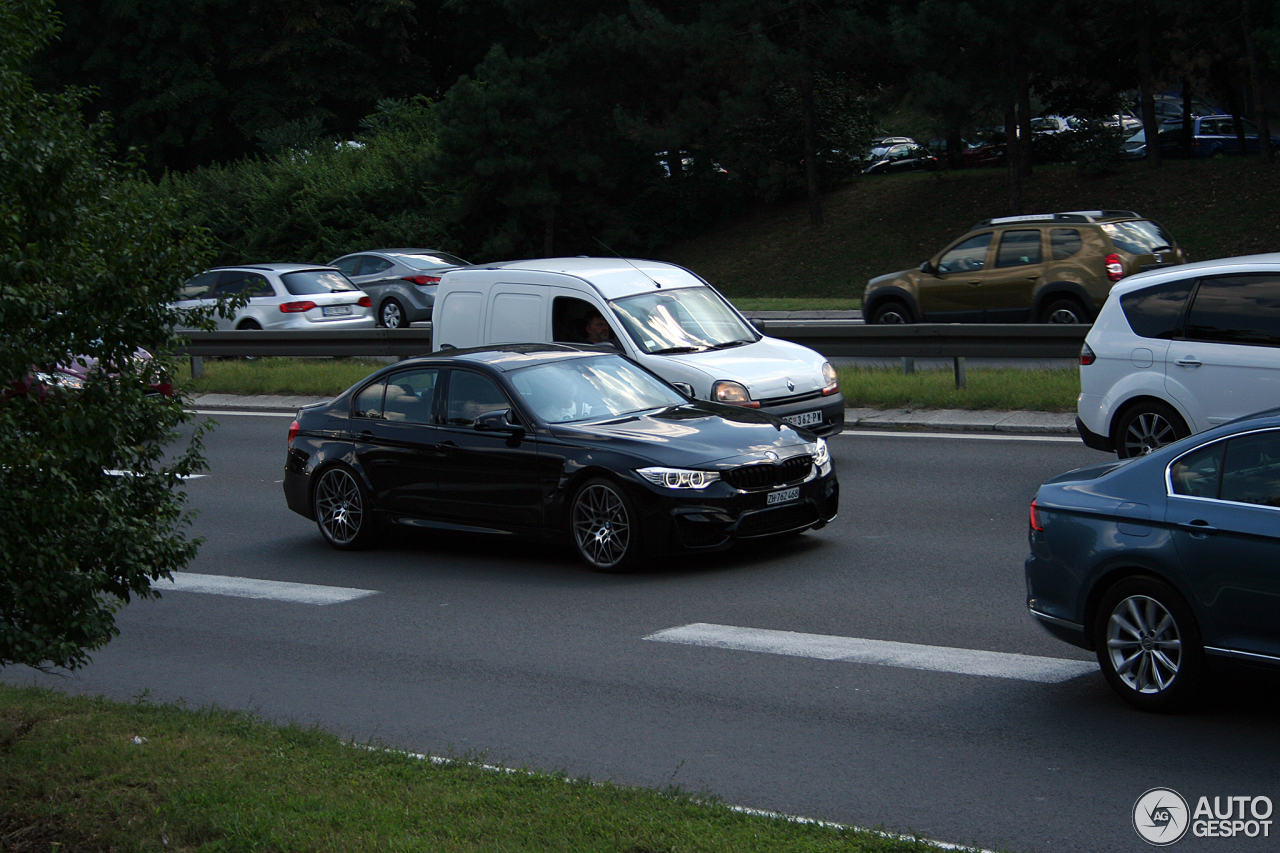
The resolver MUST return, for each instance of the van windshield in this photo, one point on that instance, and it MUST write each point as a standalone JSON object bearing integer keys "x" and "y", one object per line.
{"x": 687, "y": 320}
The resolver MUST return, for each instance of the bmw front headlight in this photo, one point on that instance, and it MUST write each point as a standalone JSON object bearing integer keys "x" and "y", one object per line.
{"x": 821, "y": 456}
{"x": 678, "y": 478}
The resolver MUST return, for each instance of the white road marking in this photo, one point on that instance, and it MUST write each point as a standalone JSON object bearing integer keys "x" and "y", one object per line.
{"x": 878, "y": 652}
{"x": 297, "y": 593}
{"x": 968, "y": 436}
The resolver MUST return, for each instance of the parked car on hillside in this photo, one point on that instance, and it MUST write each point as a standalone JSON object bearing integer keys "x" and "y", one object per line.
{"x": 401, "y": 282}
{"x": 908, "y": 156}
{"x": 1050, "y": 268}
{"x": 554, "y": 441}
{"x": 1211, "y": 136}
{"x": 1179, "y": 352}
{"x": 280, "y": 297}
{"x": 1165, "y": 564}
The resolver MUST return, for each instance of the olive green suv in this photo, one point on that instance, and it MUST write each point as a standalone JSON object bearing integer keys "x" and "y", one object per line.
{"x": 1050, "y": 268}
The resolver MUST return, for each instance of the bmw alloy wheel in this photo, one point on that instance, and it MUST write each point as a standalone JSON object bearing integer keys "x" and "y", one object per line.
{"x": 601, "y": 522}
{"x": 339, "y": 504}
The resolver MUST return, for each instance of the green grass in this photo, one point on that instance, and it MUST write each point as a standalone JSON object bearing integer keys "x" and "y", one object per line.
{"x": 986, "y": 388}
{"x": 89, "y": 775}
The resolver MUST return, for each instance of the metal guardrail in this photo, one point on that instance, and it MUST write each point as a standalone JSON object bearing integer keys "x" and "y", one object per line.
{"x": 832, "y": 338}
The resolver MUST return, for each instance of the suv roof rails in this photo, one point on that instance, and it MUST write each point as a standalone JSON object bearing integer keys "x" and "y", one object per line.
{"x": 1071, "y": 216}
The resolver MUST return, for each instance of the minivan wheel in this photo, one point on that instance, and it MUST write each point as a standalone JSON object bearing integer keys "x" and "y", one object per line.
{"x": 891, "y": 313}
{"x": 392, "y": 315}
{"x": 1148, "y": 645}
{"x": 1063, "y": 311}
{"x": 1147, "y": 426}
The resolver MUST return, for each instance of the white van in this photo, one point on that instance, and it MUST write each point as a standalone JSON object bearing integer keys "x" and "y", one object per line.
{"x": 661, "y": 315}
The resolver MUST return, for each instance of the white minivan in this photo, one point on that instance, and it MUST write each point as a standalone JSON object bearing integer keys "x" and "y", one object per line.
{"x": 661, "y": 315}
{"x": 1179, "y": 351}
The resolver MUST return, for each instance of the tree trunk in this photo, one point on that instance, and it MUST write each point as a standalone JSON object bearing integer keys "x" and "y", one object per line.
{"x": 1255, "y": 86}
{"x": 1146, "y": 91}
{"x": 810, "y": 120}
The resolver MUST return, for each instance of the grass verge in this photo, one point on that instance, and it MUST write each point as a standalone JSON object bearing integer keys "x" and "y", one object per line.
{"x": 1002, "y": 389}
{"x": 90, "y": 775}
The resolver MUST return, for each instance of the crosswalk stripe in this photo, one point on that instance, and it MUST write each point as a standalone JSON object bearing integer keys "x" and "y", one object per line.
{"x": 297, "y": 593}
{"x": 878, "y": 652}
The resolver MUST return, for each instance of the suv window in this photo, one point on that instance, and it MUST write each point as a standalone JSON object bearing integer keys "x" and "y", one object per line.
{"x": 1138, "y": 236}
{"x": 968, "y": 255}
{"x": 1019, "y": 248}
{"x": 1156, "y": 312}
{"x": 1238, "y": 309}
{"x": 1064, "y": 242}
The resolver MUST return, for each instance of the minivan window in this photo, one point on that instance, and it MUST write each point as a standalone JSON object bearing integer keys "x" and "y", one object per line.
{"x": 1237, "y": 309}
{"x": 687, "y": 320}
{"x": 1156, "y": 312}
{"x": 307, "y": 282}
{"x": 1138, "y": 236}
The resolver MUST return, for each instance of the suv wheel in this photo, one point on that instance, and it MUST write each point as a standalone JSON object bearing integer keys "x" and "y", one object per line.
{"x": 1146, "y": 426}
{"x": 1064, "y": 310}
{"x": 891, "y": 313}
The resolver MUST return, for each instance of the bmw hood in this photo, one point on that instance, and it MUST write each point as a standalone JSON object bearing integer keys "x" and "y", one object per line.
{"x": 696, "y": 434}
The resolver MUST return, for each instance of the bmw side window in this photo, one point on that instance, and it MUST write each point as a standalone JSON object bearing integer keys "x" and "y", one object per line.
{"x": 369, "y": 401}
{"x": 1156, "y": 312}
{"x": 1238, "y": 309}
{"x": 1019, "y": 248}
{"x": 1064, "y": 242}
{"x": 967, "y": 256}
{"x": 411, "y": 397}
{"x": 472, "y": 395}
{"x": 1251, "y": 470}
{"x": 1197, "y": 474}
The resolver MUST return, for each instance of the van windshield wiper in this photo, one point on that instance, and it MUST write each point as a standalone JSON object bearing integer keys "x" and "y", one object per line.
{"x": 672, "y": 350}
{"x": 731, "y": 344}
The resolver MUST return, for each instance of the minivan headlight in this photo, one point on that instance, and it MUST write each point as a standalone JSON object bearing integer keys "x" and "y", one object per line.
{"x": 678, "y": 478}
{"x": 733, "y": 393}
{"x": 830, "y": 382}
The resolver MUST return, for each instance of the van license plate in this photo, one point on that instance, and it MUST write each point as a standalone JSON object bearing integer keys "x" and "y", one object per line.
{"x": 336, "y": 310}
{"x": 804, "y": 419}
{"x": 783, "y": 496}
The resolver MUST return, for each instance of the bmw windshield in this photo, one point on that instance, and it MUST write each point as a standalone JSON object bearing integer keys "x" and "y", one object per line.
{"x": 592, "y": 388}
{"x": 688, "y": 320}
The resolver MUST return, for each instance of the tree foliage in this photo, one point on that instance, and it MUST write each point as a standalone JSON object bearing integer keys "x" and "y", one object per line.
{"x": 91, "y": 508}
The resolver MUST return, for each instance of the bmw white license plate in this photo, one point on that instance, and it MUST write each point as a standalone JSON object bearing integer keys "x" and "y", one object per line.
{"x": 783, "y": 496}
{"x": 804, "y": 419}
{"x": 336, "y": 310}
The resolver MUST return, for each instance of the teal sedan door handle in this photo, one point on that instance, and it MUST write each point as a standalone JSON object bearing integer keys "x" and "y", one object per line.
{"x": 1198, "y": 526}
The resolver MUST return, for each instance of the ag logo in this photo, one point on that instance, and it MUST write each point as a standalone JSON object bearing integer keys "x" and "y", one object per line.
{"x": 1161, "y": 816}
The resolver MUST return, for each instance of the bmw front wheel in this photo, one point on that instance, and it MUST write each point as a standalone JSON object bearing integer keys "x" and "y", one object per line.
{"x": 602, "y": 521}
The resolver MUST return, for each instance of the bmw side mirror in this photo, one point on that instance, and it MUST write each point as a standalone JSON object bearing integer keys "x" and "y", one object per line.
{"x": 497, "y": 422}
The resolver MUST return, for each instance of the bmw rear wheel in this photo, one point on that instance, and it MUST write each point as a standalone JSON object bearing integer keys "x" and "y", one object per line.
{"x": 1148, "y": 645}
{"x": 602, "y": 521}
{"x": 342, "y": 509}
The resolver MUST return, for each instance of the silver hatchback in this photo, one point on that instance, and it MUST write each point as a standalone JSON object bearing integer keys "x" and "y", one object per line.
{"x": 401, "y": 282}
{"x": 281, "y": 297}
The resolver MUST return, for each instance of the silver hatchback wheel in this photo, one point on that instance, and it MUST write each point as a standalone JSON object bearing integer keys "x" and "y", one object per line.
{"x": 392, "y": 315}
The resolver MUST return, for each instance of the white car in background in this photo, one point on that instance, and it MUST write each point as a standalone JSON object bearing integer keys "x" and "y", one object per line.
{"x": 1178, "y": 351}
{"x": 281, "y": 297}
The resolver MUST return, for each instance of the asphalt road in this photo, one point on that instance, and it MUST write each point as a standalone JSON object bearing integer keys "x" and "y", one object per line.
{"x": 513, "y": 653}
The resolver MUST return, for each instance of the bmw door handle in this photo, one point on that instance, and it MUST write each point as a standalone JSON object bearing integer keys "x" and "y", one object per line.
{"x": 1198, "y": 526}
{"x": 1187, "y": 361}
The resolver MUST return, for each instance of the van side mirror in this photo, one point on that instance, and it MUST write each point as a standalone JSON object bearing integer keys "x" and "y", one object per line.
{"x": 684, "y": 388}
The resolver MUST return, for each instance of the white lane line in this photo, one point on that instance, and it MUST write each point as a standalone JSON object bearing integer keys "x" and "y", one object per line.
{"x": 966, "y": 436}
{"x": 297, "y": 593}
{"x": 878, "y": 652}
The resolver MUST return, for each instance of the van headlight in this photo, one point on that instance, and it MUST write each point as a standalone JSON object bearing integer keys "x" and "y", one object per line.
{"x": 733, "y": 393}
{"x": 821, "y": 456}
{"x": 830, "y": 380}
{"x": 678, "y": 478}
